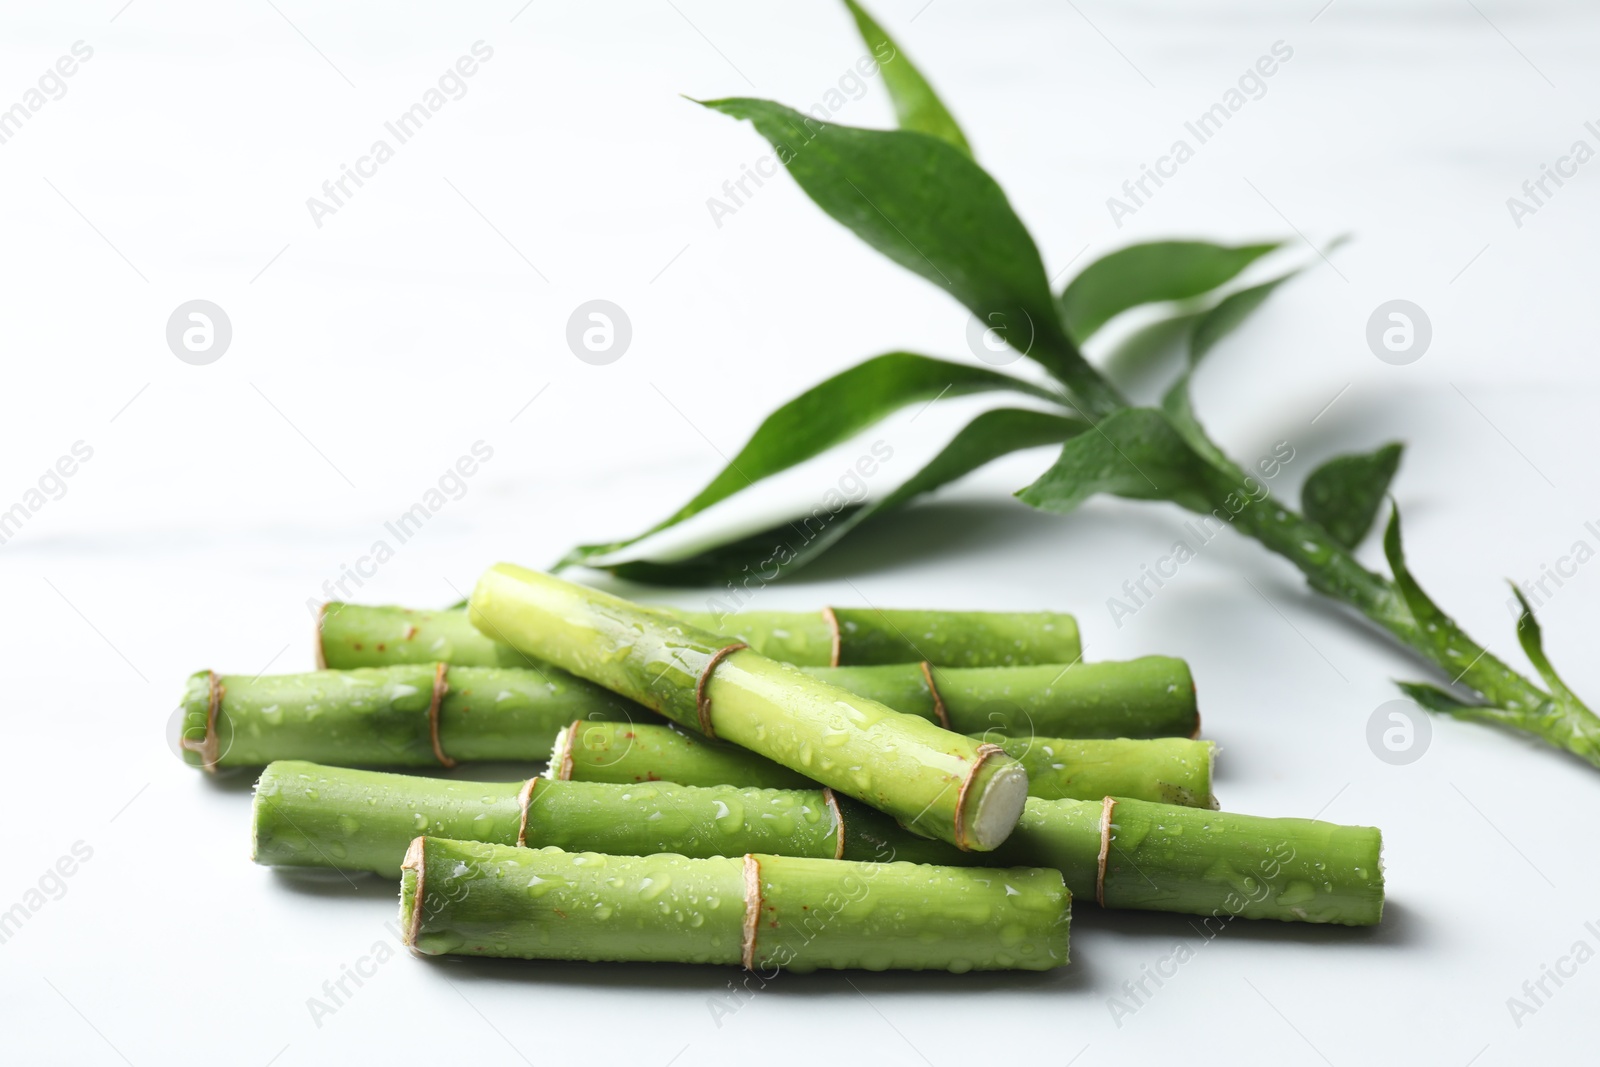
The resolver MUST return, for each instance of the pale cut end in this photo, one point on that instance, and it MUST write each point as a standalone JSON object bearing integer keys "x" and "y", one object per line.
{"x": 413, "y": 872}
{"x": 560, "y": 767}
{"x": 999, "y": 808}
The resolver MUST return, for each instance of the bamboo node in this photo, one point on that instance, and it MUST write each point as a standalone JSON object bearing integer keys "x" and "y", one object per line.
{"x": 836, "y": 650}
{"x": 939, "y": 711}
{"x": 1106, "y": 809}
{"x": 838, "y": 819}
{"x": 752, "y": 910}
{"x": 702, "y": 697}
{"x": 524, "y": 802}
{"x": 440, "y": 687}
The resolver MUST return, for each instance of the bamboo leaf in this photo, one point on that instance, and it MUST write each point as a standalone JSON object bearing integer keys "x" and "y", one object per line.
{"x": 1531, "y": 637}
{"x": 1435, "y": 699}
{"x": 1448, "y": 646}
{"x": 825, "y": 415}
{"x": 768, "y": 555}
{"x": 1229, "y": 313}
{"x": 916, "y": 105}
{"x": 1135, "y": 453}
{"x": 926, "y": 205}
{"x": 1344, "y": 494}
{"x": 1150, "y": 273}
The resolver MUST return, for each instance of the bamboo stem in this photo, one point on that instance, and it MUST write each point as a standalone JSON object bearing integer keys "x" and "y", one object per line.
{"x": 356, "y": 635}
{"x": 938, "y": 783}
{"x": 763, "y": 912}
{"x": 1168, "y": 770}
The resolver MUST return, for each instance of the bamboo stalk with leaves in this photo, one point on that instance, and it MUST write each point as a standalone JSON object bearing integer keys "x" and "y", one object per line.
{"x": 917, "y": 195}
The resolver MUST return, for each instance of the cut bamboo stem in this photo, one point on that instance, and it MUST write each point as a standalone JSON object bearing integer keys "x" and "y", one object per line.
{"x": 357, "y": 635}
{"x": 1169, "y": 770}
{"x": 936, "y": 782}
{"x": 762, "y": 912}
{"x": 1121, "y": 853}
{"x": 384, "y": 716}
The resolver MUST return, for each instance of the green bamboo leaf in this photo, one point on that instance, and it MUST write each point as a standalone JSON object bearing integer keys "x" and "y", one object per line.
{"x": 1531, "y": 637}
{"x": 1435, "y": 699}
{"x": 916, "y": 105}
{"x": 773, "y": 553}
{"x": 1344, "y": 494}
{"x": 1448, "y": 646}
{"x": 1135, "y": 453}
{"x": 1229, "y": 313}
{"x": 825, "y": 415}
{"x": 1150, "y": 273}
{"x": 926, "y": 205}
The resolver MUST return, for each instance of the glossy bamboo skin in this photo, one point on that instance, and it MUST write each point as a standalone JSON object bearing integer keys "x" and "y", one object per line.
{"x": 936, "y": 782}
{"x": 357, "y": 635}
{"x": 765, "y": 912}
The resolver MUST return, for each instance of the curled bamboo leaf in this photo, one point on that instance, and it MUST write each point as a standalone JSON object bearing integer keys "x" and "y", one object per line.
{"x": 1446, "y": 644}
{"x": 1531, "y": 637}
{"x": 1344, "y": 494}
{"x": 916, "y": 105}
{"x": 1150, "y": 273}
{"x": 768, "y": 555}
{"x": 825, "y": 415}
{"x": 926, "y": 205}
{"x": 1135, "y": 453}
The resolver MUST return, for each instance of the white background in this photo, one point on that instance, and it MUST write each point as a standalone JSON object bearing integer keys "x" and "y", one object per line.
{"x": 370, "y": 353}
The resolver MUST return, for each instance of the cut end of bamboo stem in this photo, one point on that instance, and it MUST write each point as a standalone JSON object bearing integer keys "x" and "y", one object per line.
{"x": 560, "y": 767}
{"x": 412, "y": 872}
{"x": 999, "y": 805}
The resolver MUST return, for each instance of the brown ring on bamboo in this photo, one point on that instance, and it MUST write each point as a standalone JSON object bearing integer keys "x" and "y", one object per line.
{"x": 524, "y": 802}
{"x": 322, "y": 656}
{"x": 207, "y": 748}
{"x": 838, "y": 820}
{"x": 1108, "y": 806}
{"x": 939, "y": 711}
{"x": 563, "y": 769}
{"x": 752, "y": 910}
{"x": 836, "y": 651}
{"x": 440, "y": 687}
{"x": 702, "y": 699}
{"x": 414, "y": 862}
{"x": 984, "y": 752}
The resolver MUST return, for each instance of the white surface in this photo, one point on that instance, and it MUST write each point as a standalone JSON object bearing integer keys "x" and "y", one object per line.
{"x": 405, "y": 329}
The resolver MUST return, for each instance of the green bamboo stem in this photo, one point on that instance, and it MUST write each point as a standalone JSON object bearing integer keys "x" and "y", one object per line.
{"x": 763, "y": 912}
{"x": 1155, "y": 857}
{"x": 308, "y": 815}
{"x": 386, "y": 716}
{"x": 355, "y": 635}
{"x": 1132, "y": 854}
{"x": 938, "y": 783}
{"x": 1169, "y": 770}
